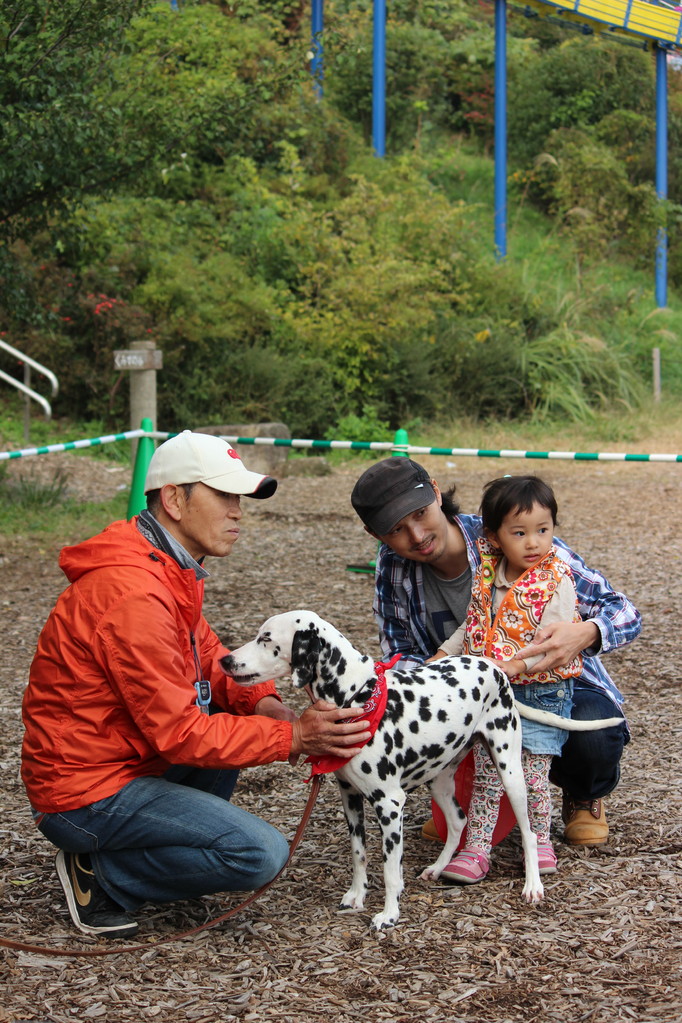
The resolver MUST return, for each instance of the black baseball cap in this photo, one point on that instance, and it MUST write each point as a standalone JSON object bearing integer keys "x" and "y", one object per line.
{"x": 390, "y": 490}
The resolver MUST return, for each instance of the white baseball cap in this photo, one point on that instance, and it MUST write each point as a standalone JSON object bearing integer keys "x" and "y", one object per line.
{"x": 200, "y": 458}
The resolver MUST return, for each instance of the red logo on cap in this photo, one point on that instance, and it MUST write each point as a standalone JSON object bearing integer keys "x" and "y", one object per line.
{"x": 232, "y": 453}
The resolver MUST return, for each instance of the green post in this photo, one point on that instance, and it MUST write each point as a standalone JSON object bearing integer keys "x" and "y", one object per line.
{"x": 143, "y": 456}
{"x": 400, "y": 441}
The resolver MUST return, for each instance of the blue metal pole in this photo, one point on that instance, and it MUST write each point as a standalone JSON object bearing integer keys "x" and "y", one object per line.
{"x": 317, "y": 24}
{"x": 500, "y": 128}
{"x": 379, "y": 79}
{"x": 661, "y": 170}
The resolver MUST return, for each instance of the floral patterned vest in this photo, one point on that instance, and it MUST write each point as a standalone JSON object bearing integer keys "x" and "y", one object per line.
{"x": 518, "y": 617}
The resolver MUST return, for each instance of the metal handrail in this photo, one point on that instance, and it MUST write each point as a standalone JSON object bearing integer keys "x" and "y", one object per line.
{"x": 47, "y": 408}
{"x": 28, "y": 361}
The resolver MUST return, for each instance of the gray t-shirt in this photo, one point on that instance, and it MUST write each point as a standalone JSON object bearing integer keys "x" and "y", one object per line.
{"x": 446, "y": 602}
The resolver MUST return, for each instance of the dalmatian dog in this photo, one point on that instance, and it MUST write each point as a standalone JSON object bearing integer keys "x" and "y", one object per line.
{"x": 434, "y": 714}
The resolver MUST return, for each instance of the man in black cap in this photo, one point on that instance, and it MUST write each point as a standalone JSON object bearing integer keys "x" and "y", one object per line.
{"x": 424, "y": 571}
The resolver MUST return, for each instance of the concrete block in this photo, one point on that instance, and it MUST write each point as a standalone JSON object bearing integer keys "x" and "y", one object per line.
{"x": 264, "y": 458}
{"x": 308, "y": 467}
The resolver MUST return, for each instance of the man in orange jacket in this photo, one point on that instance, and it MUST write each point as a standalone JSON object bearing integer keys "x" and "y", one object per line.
{"x": 133, "y": 734}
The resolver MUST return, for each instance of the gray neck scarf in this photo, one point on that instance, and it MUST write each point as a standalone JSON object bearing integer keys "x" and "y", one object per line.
{"x": 159, "y": 537}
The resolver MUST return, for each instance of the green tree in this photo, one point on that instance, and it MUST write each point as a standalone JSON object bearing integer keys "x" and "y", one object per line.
{"x": 574, "y": 85}
{"x": 56, "y": 122}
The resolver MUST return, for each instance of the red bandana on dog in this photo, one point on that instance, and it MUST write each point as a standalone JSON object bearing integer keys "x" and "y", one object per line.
{"x": 372, "y": 712}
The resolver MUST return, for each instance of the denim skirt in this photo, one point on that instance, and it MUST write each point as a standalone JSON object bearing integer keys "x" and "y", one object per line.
{"x": 556, "y": 697}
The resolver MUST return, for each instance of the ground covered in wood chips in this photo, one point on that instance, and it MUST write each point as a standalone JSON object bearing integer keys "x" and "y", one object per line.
{"x": 604, "y": 946}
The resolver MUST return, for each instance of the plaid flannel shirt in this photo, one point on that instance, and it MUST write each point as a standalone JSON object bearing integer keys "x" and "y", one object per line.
{"x": 400, "y": 611}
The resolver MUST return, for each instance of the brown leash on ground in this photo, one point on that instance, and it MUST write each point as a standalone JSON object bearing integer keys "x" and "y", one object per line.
{"x": 44, "y": 950}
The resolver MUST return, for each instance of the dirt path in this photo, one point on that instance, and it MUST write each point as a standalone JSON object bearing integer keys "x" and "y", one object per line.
{"x": 605, "y": 945}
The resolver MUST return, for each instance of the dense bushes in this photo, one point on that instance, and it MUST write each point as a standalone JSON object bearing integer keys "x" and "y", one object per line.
{"x": 284, "y": 271}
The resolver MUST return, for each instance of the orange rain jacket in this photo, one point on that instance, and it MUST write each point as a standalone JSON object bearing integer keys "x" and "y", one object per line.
{"x": 111, "y": 693}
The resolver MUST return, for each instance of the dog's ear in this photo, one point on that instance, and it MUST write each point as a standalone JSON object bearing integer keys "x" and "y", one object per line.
{"x": 305, "y": 653}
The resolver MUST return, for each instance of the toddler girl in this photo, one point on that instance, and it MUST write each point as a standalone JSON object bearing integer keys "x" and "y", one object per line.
{"x": 521, "y": 584}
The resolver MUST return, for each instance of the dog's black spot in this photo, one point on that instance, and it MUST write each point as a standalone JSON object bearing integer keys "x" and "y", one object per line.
{"x": 410, "y": 756}
{"x": 365, "y": 767}
{"x": 502, "y": 765}
{"x": 476, "y": 694}
{"x": 462, "y": 694}
{"x": 425, "y": 709}
{"x": 334, "y": 655}
{"x": 409, "y": 695}
{"x": 385, "y": 767}
{"x": 414, "y": 727}
{"x": 388, "y": 743}
{"x": 468, "y": 718}
{"x": 394, "y": 707}
{"x": 442, "y": 715}
{"x": 398, "y": 738}
{"x": 432, "y": 752}
{"x": 498, "y": 724}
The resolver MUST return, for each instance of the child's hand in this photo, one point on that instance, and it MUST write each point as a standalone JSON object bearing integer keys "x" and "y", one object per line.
{"x": 436, "y": 657}
{"x": 511, "y": 668}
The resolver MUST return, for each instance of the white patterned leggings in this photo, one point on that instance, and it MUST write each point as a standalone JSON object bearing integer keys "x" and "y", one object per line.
{"x": 487, "y": 792}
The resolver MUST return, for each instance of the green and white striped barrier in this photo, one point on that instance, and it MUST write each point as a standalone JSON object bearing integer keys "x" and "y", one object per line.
{"x": 74, "y": 445}
{"x": 411, "y": 449}
{"x": 356, "y": 445}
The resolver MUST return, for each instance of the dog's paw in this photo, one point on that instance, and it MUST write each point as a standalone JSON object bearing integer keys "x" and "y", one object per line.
{"x": 533, "y": 893}
{"x": 353, "y": 899}
{"x": 382, "y": 921}
{"x": 430, "y": 873}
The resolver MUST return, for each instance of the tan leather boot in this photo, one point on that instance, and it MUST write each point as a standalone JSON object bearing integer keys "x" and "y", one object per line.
{"x": 585, "y": 822}
{"x": 430, "y": 831}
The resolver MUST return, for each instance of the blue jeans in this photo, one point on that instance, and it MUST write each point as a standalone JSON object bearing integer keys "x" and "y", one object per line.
{"x": 589, "y": 765}
{"x": 168, "y": 838}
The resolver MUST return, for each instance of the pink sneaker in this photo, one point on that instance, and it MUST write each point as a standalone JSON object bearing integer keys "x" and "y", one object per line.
{"x": 469, "y": 866}
{"x": 547, "y": 859}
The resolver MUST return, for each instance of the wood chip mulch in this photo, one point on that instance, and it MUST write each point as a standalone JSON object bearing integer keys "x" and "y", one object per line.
{"x": 604, "y": 946}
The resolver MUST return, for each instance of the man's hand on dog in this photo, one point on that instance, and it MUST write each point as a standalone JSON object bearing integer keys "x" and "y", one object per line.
{"x": 325, "y": 729}
{"x": 560, "y": 642}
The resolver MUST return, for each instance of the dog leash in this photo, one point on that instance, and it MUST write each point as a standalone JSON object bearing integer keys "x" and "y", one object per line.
{"x": 119, "y": 949}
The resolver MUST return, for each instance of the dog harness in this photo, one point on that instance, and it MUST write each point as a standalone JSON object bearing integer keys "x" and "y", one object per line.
{"x": 502, "y": 634}
{"x": 372, "y": 712}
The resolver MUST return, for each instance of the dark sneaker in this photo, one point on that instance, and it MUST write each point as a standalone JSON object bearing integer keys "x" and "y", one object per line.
{"x": 91, "y": 909}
